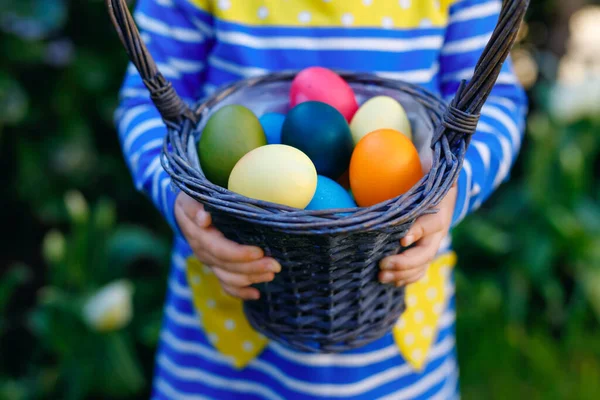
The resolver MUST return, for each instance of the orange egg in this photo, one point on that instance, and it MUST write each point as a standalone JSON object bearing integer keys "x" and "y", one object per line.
{"x": 384, "y": 165}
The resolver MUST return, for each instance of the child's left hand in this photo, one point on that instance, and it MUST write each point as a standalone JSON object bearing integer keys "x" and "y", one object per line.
{"x": 427, "y": 232}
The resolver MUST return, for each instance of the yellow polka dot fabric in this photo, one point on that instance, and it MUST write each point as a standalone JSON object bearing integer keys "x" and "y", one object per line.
{"x": 404, "y": 14}
{"x": 416, "y": 329}
{"x": 225, "y": 324}
{"x": 222, "y": 317}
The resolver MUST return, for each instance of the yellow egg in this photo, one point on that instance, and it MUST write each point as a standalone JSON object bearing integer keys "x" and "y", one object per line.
{"x": 380, "y": 112}
{"x": 276, "y": 173}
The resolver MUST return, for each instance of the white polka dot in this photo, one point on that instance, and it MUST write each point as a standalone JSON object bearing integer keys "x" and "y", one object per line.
{"x": 404, "y": 3}
{"x": 424, "y": 279}
{"x": 411, "y": 300}
{"x": 400, "y": 323}
{"x": 206, "y": 269}
{"x": 444, "y": 270}
{"x": 417, "y": 354}
{"x": 326, "y": 1}
{"x": 224, "y": 4}
{"x": 387, "y": 22}
{"x": 426, "y": 23}
{"x": 304, "y": 17}
{"x": 427, "y": 332}
{"x": 210, "y": 303}
{"x": 367, "y": 2}
{"x": 248, "y": 346}
{"x": 229, "y": 324}
{"x": 438, "y": 308}
{"x": 213, "y": 338}
{"x": 347, "y": 19}
{"x": 419, "y": 316}
{"x": 431, "y": 293}
{"x": 409, "y": 339}
{"x": 263, "y": 12}
{"x": 195, "y": 280}
{"x": 436, "y": 4}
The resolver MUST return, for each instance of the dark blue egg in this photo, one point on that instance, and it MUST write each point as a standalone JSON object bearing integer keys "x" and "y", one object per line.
{"x": 322, "y": 133}
{"x": 330, "y": 195}
{"x": 272, "y": 124}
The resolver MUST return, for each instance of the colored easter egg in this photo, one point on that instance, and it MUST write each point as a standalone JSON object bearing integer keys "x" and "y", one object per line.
{"x": 272, "y": 124}
{"x": 384, "y": 165}
{"x": 229, "y": 134}
{"x": 322, "y": 133}
{"x": 380, "y": 112}
{"x": 330, "y": 195}
{"x": 324, "y": 85}
{"x": 276, "y": 173}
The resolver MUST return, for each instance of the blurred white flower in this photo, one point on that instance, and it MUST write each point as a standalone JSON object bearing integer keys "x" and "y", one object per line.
{"x": 76, "y": 205}
{"x": 584, "y": 41}
{"x": 570, "y": 102}
{"x": 110, "y": 308}
{"x": 53, "y": 247}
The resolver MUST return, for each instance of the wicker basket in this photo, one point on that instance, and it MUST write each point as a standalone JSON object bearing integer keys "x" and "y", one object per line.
{"x": 327, "y": 297}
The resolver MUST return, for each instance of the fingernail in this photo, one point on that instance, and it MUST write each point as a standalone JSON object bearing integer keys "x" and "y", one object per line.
{"x": 409, "y": 240}
{"x": 256, "y": 253}
{"x": 387, "y": 277}
{"x": 274, "y": 267}
{"x": 387, "y": 265}
{"x": 200, "y": 217}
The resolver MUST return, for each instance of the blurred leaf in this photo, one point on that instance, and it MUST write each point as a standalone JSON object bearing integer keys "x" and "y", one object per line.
{"x": 488, "y": 236}
{"x": 13, "y": 100}
{"x": 11, "y": 280}
{"x": 122, "y": 373}
{"x": 130, "y": 244}
{"x": 590, "y": 278}
{"x": 519, "y": 292}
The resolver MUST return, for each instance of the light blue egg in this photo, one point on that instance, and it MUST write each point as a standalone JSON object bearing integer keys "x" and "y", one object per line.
{"x": 272, "y": 123}
{"x": 330, "y": 195}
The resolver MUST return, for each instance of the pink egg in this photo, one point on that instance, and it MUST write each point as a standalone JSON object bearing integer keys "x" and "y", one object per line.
{"x": 324, "y": 85}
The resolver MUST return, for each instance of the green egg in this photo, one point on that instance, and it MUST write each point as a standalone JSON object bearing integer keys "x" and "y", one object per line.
{"x": 229, "y": 134}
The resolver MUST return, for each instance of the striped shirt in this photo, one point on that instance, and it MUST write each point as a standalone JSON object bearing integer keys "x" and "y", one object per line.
{"x": 202, "y": 44}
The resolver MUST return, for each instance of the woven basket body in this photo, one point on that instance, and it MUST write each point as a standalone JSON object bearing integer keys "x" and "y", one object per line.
{"x": 327, "y": 297}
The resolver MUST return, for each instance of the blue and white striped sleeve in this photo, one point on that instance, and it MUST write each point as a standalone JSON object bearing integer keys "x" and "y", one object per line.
{"x": 179, "y": 40}
{"x": 497, "y": 141}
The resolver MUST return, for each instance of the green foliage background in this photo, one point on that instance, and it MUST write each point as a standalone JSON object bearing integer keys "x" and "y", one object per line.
{"x": 528, "y": 283}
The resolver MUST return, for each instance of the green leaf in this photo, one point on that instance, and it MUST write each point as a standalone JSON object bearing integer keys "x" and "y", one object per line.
{"x": 130, "y": 244}
{"x": 13, "y": 100}
{"x": 11, "y": 280}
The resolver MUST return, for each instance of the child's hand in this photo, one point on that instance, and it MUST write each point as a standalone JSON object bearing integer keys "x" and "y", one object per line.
{"x": 428, "y": 233}
{"x": 236, "y": 266}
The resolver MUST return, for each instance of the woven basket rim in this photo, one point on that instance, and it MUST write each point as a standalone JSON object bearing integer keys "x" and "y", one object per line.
{"x": 281, "y": 216}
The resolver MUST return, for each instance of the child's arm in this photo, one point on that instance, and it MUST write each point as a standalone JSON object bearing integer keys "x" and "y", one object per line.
{"x": 179, "y": 40}
{"x": 180, "y": 50}
{"x": 493, "y": 148}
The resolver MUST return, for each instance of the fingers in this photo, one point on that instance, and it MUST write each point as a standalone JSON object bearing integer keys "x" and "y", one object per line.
{"x": 213, "y": 242}
{"x": 424, "y": 226}
{"x": 423, "y": 253}
{"x": 411, "y": 265}
{"x": 247, "y": 293}
{"x": 402, "y": 278}
{"x": 241, "y": 280}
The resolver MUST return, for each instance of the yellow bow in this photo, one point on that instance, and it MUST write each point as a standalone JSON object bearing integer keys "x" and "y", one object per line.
{"x": 223, "y": 319}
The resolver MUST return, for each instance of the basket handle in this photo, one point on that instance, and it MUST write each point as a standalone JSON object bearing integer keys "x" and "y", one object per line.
{"x": 462, "y": 115}
{"x": 162, "y": 93}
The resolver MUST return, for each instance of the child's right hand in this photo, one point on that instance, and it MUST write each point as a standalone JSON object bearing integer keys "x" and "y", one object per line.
{"x": 236, "y": 266}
